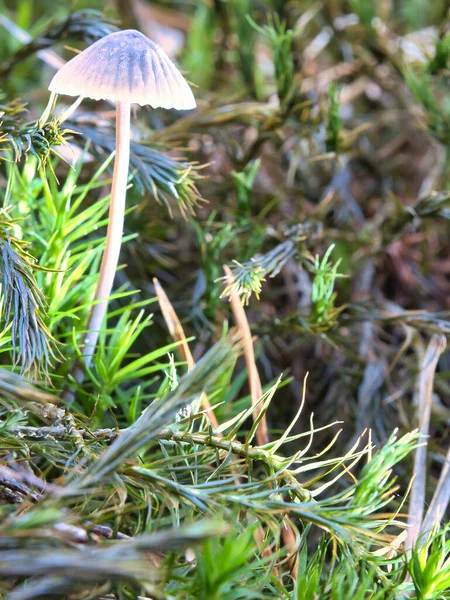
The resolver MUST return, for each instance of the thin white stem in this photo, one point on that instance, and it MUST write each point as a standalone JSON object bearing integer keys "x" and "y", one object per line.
{"x": 114, "y": 233}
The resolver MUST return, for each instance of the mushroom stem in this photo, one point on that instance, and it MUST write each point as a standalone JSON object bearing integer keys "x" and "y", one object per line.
{"x": 114, "y": 233}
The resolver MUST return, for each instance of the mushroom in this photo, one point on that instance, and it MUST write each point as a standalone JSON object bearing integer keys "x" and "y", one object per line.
{"x": 125, "y": 67}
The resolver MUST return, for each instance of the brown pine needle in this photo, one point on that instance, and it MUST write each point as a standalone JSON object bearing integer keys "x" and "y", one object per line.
{"x": 262, "y": 435}
{"x": 291, "y": 543}
{"x": 177, "y": 333}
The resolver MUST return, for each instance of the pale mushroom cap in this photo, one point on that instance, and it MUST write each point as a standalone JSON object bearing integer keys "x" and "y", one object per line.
{"x": 125, "y": 67}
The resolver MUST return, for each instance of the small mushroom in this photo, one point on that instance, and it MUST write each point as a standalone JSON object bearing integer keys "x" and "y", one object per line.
{"x": 125, "y": 67}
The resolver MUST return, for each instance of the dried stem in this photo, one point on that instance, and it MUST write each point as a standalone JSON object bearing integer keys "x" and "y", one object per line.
{"x": 423, "y": 400}
{"x": 176, "y": 331}
{"x": 262, "y": 435}
{"x": 441, "y": 498}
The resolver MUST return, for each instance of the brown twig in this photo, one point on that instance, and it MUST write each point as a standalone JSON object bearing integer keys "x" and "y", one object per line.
{"x": 176, "y": 331}
{"x": 262, "y": 435}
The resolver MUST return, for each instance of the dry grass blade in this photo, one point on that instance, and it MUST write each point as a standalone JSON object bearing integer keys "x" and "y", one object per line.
{"x": 423, "y": 400}
{"x": 176, "y": 331}
{"x": 262, "y": 435}
{"x": 173, "y": 324}
{"x": 292, "y": 543}
{"x": 441, "y": 498}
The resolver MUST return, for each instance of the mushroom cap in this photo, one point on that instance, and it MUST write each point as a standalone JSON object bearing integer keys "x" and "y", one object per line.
{"x": 125, "y": 67}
